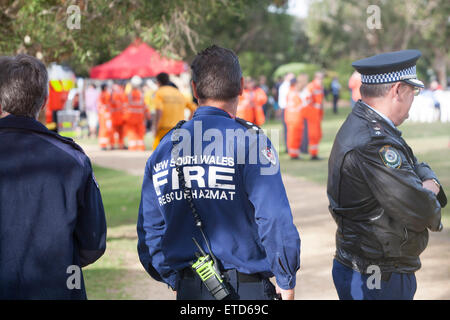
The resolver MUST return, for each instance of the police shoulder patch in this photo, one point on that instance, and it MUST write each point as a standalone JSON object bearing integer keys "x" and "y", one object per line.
{"x": 390, "y": 157}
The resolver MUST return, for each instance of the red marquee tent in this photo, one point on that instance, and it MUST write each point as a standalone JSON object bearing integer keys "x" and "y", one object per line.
{"x": 138, "y": 59}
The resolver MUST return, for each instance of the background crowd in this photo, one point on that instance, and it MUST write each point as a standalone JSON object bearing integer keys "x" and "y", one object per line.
{"x": 119, "y": 113}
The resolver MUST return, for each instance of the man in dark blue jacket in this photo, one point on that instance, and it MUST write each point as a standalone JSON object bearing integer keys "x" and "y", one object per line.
{"x": 232, "y": 173}
{"x": 52, "y": 221}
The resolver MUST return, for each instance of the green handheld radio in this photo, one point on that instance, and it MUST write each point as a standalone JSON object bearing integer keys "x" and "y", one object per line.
{"x": 209, "y": 274}
{"x": 206, "y": 266}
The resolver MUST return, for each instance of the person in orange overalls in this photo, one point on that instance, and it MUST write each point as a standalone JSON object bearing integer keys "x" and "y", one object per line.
{"x": 313, "y": 113}
{"x": 134, "y": 116}
{"x": 104, "y": 118}
{"x": 251, "y": 103}
{"x": 293, "y": 115}
{"x": 117, "y": 105}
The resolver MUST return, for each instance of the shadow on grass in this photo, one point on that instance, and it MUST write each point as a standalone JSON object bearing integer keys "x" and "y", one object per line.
{"x": 121, "y": 194}
{"x": 123, "y": 237}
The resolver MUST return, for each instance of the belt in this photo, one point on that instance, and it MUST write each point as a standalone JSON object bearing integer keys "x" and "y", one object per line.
{"x": 242, "y": 277}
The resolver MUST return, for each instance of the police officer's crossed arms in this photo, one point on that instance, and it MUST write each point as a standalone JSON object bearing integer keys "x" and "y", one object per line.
{"x": 213, "y": 222}
{"x": 51, "y": 211}
{"x": 383, "y": 200}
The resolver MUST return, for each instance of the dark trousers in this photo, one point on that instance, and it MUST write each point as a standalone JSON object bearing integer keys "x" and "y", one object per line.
{"x": 352, "y": 285}
{"x": 192, "y": 288}
{"x": 284, "y": 131}
{"x": 305, "y": 138}
{"x": 335, "y": 103}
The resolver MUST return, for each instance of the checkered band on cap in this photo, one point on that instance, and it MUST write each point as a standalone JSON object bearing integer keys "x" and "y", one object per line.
{"x": 408, "y": 73}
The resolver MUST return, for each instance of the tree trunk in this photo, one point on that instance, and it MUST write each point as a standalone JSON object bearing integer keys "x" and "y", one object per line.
{"x": 440, "y": 66}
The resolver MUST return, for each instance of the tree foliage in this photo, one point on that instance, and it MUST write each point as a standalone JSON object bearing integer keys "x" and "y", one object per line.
{"x": 262, "y": 39}
{"x": 178, "y": 28}
{"x": 340, "y": 29}
{"x": 335, "y": 33}
{"x": 106, "y": 27}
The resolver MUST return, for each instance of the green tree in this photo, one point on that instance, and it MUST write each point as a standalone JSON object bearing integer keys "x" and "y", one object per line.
{"x": 343, "y": 29}
{"x": 263, "y": 38}
{"x": 106, "y": 27}
{"x": 178, "y": 28}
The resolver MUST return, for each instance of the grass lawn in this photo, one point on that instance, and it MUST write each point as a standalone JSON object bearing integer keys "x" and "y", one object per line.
{"x": 110, "y": 277}
{"x": 114, "y": 276}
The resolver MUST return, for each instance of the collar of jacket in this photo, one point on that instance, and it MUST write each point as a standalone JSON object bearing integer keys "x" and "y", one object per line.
{"x": 362, "y": 111}
{"x": 211, "y": 111}
{"x": 22, "y": 122}
{"x": 30, "y": 124}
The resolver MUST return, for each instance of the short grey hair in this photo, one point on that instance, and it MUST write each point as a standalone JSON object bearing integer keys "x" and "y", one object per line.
{"x": 375, "y": 90}
{"x": 23, "y": 85}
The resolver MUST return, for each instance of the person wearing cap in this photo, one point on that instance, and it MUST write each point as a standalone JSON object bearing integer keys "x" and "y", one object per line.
{"x": 117, "y": 104}
{"x": 293, "y": 115}
{"x": 313, "y": 114}
{"x": 134, "y": 116}
{"x": 383, "y": 200}
{"x": 104, "y": 118}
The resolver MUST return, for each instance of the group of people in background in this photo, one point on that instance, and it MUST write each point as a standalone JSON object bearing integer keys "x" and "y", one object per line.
{"x": 432, "y": 105}
{"x": 130, "y": 109}
{"x": 251, "y": 102}
{"x": 301, "y": 103}
{"x": 127, "y": 110}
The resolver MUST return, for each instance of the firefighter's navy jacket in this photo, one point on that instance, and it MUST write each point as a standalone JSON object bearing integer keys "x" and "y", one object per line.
{"x": 243, "y": 204}
{"x": 52, "y": 220}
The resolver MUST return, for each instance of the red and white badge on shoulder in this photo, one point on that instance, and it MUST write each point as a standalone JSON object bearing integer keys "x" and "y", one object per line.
{"x": 269, "y": 153}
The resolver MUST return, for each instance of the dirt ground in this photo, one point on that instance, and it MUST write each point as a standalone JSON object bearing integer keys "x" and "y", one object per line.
{"x": 317, "y": 230}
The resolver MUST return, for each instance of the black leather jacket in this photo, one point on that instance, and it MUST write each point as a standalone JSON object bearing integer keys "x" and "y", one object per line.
{"x": 376, "y": 196}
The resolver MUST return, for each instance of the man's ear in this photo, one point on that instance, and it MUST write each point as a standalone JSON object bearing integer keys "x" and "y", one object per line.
{"x": 241, "y": 90}
{"x": 194, "y": 89}
{"x": 42, "y": 107}
{"x": 396, "y": 90}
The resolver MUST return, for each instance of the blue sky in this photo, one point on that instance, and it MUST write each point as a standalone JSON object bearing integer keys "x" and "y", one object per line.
{"x": 298, "y": 8}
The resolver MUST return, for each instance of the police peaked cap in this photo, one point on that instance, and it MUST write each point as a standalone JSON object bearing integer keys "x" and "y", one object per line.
{"x": 390, "y": 67}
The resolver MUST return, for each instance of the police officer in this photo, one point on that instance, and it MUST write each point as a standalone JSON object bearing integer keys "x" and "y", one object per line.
{"x": 383, "y": 200}
{"x": 216, "y": 179}
{"x": 51, "y": 212}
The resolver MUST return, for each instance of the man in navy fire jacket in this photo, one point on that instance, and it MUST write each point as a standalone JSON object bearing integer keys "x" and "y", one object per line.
{"x": 233, "y": 173}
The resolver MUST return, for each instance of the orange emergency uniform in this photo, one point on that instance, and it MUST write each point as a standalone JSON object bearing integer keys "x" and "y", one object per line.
{"x": 117, "y": 105}
{"x": 104, "y": 119}
{"x": 313, "y": 113}
{"x": 294, "y": 122}
{"x": 250, "y": 106}
{"x": 134, "y": 118}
